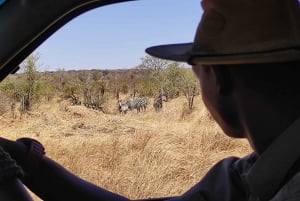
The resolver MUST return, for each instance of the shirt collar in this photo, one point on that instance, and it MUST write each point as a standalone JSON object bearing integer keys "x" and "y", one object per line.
{"x": 269, "y": 171}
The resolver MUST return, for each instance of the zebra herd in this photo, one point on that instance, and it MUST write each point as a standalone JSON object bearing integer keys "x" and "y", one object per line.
{"x": 140, "y": 104}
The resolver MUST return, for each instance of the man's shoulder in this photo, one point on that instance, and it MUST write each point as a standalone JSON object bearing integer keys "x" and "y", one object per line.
{"x": 242, "y": 165}
{"x": 230, "y": 184}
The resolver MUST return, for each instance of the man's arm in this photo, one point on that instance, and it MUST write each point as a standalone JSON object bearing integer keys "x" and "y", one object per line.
{"x": 12, "y": 190}
{"x": 52, "y": 182}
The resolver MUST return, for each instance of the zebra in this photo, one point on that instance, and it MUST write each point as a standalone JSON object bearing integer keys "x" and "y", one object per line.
{"x": 158, "y": 102}
{"x": 132, "y": 105}
{"x": 140, "y": 104}
{"x": 123, "y": 107}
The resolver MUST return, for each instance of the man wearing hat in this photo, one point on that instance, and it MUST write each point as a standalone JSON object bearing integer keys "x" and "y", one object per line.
{"x": 246, "y": 55}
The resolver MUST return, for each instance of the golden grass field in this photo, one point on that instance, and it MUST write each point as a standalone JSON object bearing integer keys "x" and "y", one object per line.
{"x": 143, "y": 155}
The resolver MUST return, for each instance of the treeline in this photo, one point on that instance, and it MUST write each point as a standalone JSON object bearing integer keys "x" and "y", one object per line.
{"x": 94, "y": 88}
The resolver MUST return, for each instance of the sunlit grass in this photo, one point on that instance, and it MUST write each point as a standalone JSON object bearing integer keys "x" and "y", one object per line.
{"x": 137, "y": 155}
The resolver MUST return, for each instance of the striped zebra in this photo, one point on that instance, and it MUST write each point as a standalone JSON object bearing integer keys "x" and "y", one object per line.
{"x": 132, "y": 105}
{"x": 123, "y": 107}
{"x": 158, "y": 102}
{"x": 140, "y": 104}
{"x": 143, "y": 103}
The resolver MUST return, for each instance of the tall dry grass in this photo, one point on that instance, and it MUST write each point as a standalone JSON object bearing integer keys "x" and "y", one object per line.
{"x": 142, "y": 155}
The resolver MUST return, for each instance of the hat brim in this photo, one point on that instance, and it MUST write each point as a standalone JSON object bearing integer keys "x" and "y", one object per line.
{"x": 183, "y": 53}
{"x": 174, "y": 52}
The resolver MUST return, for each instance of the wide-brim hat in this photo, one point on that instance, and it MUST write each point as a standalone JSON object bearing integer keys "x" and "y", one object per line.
{"x": 241, "y": 32}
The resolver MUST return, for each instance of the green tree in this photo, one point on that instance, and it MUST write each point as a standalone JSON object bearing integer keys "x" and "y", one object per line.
{"x": 26, "y": 86}
{"x": 189, "y": 86}
{"x": 153, "y": 73}
{"x": 181, "y": 80}
{"x": 30, "y": 84}
{"x": 154, "y": 64}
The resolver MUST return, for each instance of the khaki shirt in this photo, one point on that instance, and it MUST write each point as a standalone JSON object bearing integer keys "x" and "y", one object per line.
{"x": 265, "y": 177}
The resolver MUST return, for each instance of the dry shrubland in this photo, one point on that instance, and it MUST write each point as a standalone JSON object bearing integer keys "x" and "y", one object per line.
{"x": 141, "y": 155}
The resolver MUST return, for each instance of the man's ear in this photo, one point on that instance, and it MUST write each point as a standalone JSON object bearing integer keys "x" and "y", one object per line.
{"x": 223, "y": 79}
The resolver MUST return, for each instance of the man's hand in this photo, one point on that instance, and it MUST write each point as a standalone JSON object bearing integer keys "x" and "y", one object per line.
{"x": 17, "y": 150}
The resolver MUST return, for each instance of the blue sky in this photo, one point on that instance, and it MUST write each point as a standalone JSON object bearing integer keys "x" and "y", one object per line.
{"x": 115, "y": 36}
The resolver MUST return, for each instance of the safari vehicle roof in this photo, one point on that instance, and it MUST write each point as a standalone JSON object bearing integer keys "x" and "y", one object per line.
{"x": 25, "y": 24}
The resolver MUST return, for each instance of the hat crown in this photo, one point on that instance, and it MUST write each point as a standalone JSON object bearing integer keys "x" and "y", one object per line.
{"x": 241, "y": 32}
{"x": 243, "y": 26}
